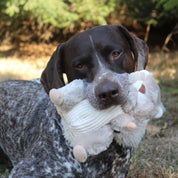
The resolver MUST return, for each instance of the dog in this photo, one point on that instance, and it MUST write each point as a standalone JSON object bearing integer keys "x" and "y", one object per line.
{"x": 31, "y": 134}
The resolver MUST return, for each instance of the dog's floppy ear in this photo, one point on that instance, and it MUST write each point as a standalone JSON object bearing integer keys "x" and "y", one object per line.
{"x": 52, "y": 75}
{"x": 138, "y": 47}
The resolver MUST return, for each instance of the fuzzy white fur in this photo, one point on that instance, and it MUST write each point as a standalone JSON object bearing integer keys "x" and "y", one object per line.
{"x": 91, "y": 131}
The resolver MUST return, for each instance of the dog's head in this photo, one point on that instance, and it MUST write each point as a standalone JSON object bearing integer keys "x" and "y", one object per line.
{"x": 96, "y": 55}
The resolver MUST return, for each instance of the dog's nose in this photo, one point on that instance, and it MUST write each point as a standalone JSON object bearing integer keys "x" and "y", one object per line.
{"x": 107, "y": 93}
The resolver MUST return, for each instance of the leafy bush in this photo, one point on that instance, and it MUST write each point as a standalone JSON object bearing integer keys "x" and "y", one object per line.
{"x": 61, "y": 13}
{"x": 151, "y": 11}
{"x": 42, "y": 19}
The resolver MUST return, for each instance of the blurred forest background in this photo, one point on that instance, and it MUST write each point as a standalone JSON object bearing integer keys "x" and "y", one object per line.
{"x": 51, "y": 20}
{"x": 31, "y": 29}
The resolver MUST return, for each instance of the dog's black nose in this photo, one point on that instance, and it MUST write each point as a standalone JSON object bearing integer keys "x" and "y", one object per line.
{"x": 107, "y": 93}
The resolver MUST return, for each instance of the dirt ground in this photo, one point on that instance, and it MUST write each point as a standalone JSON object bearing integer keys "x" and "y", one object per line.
{"x": 157, "y": 154}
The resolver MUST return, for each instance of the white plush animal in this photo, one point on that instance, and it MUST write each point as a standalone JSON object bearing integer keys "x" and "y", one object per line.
{"x": 91, "y": 131}
{"x": 143, "y": 103}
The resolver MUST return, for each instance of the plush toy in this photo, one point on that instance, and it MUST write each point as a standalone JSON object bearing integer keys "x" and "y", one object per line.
{"x": 143, "y": 103}
{"x": 91, "y": 131}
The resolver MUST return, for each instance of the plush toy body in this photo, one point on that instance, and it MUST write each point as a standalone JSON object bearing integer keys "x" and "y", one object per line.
{"x": 86, "y": 128}
{"x": 91, "y": 131}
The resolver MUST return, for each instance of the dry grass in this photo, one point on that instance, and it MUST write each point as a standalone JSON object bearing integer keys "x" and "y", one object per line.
{"x": 13, "y": 68}
{"x": 25, "y": 63}
{"x": 157, "y": 155}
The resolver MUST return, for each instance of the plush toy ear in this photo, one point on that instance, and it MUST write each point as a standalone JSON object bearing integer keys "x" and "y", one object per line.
{"x": 142, "y": 89}
{"x": 52, "y": 75}
{"x": 138, "y": 47}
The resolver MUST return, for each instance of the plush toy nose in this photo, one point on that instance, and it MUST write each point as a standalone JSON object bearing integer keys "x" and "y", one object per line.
{"x": 107, "y": 93}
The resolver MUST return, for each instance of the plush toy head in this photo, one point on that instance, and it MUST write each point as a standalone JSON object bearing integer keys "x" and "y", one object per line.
{"x": 144, "y": 98}
{"x": 143, "y": 103}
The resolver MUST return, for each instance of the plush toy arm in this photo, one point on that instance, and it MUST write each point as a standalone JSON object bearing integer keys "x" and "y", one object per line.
{"x": 56, "y": 97}
{"x": 123, "y": 121}
{"x": 131, "y": 138}
{"x": 131, "y": 125}
{"x": 67, "y": 97}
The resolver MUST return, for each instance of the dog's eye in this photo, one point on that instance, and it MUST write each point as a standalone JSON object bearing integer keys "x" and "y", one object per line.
{"x": 81, "y": 67}
{"x": 115, "y": 53}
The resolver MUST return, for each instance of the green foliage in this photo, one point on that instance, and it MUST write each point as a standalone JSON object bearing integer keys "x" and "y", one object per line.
{"x": 139, "y": 9}
{"x": 48, "y": 17}
{"x": 61, "y": 13}
{"x": 167, "y": 9}
{"x": 54, "y": 12}
{"x": 151, "y": 11}
{"x": 93, "y": 10}
{"x": 168, "y": 4}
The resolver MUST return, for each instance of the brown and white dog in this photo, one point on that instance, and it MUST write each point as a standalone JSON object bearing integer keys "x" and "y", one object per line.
{"x": 31, "y": 134}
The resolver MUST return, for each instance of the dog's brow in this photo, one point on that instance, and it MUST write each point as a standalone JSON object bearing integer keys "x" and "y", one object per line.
{"x": 93, "y": 46}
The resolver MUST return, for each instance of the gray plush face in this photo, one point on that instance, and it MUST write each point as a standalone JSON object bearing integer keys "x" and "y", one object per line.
{"x": 107, "y": 88}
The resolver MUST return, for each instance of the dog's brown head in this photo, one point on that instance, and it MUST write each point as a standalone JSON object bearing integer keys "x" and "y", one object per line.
{"x": 91, "y": 54}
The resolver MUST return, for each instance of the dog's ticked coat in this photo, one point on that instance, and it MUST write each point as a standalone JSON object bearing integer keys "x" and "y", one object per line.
{"x": 31, "y": 134}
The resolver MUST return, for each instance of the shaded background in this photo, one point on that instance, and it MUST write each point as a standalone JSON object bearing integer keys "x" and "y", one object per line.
{"x": 31, "y": 29}
{"x": 57, "y": 20}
